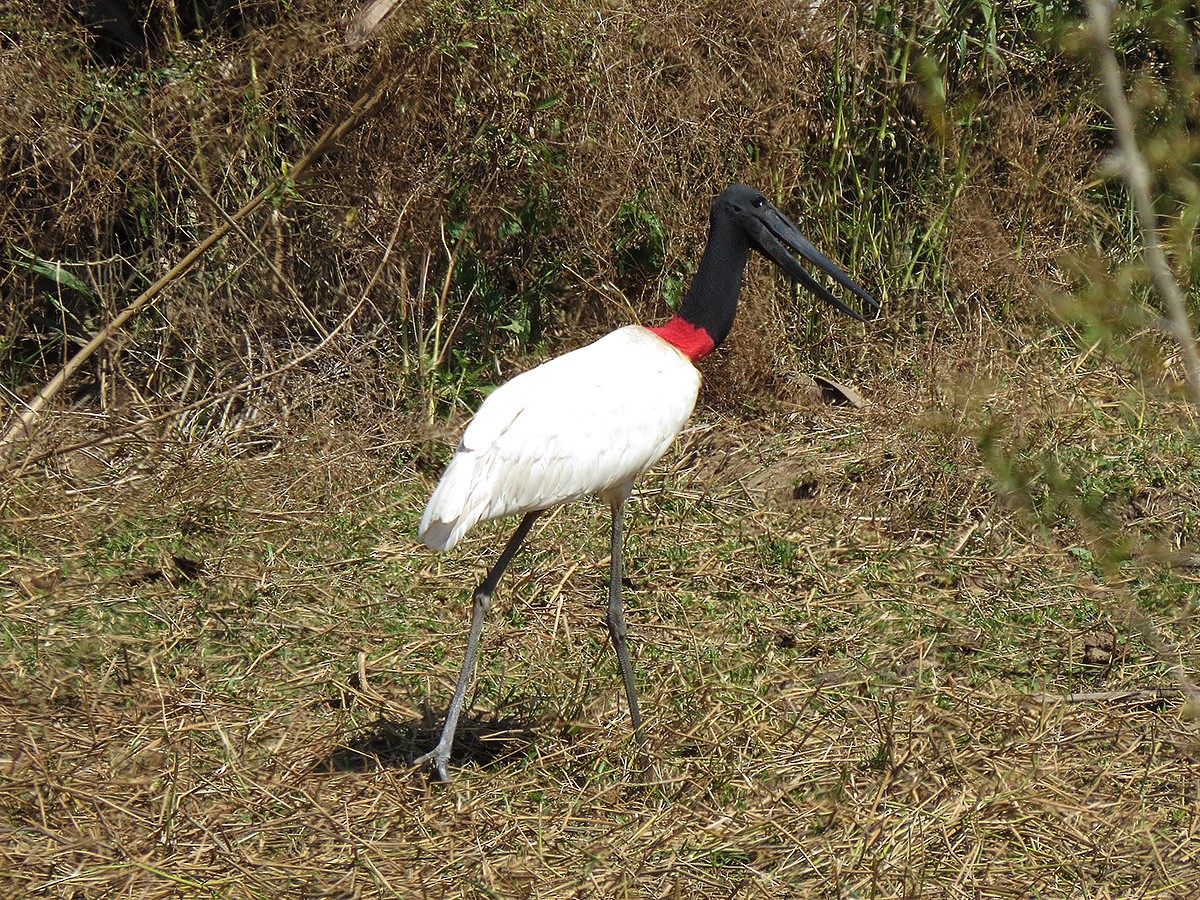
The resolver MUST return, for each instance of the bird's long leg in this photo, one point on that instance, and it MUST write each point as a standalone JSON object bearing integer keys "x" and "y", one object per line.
{"x": 616, "y": 611}
{"x": 440, "y": 755}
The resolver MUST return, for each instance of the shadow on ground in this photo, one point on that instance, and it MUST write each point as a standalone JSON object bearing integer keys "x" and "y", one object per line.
{"x": 480, "y": 739}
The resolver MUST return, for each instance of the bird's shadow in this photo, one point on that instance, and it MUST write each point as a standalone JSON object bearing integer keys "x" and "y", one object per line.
{"x": 482, "y": 739}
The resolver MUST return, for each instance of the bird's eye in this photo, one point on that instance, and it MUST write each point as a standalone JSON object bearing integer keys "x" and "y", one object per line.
{"x": 759, "y": 202}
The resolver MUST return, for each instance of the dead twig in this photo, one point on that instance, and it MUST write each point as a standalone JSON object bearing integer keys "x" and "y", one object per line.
{"x": 1137, "y": 175}
{"x": 244, "y": 385}
{"x": 366, "y": 22}
{"x": 23, "y": 426}
{"x": 1137, "y": 695}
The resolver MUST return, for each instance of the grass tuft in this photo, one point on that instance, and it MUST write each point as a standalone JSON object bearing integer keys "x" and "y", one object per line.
{"x": 932, "y": 645}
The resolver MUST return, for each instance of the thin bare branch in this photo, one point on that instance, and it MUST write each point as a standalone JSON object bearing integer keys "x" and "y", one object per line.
{"x": 1137, "y": 175}
{"x": 175, "y": 413}
{"x": 23, "y": 426}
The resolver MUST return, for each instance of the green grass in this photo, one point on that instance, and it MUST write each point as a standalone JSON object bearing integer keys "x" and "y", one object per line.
{"x": 919, "y": 649}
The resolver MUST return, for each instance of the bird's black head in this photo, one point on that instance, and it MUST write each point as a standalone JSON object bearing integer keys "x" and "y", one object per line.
{"x": 742, "y": 220}
{"x": 773, "y": 235}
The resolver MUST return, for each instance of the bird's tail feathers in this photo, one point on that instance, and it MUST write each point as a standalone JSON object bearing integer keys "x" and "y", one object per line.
{"x": 440, "y": 535}
{"x": 450, "y": 512}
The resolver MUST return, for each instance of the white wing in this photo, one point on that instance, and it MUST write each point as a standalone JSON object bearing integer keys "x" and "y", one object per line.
{"x": 580, "y": 424}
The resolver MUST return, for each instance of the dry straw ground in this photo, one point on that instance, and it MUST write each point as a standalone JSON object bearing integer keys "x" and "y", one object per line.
{"x": 920, "y": 649}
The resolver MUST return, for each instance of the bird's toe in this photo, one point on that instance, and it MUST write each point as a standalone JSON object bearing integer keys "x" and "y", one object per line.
{"x": 436, "y": 762}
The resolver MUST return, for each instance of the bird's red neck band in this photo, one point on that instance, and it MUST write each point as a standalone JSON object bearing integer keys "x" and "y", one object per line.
{"x": 693, "y": 342}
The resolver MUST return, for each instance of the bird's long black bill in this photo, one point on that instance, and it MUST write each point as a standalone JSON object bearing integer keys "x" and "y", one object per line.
{"x": 780, "y": 239}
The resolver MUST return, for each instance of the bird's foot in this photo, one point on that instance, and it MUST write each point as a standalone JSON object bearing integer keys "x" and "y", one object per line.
{"x": 436, "y": 760}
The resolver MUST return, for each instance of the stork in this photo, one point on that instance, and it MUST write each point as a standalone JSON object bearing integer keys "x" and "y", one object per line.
{"x": 593, "y": 420}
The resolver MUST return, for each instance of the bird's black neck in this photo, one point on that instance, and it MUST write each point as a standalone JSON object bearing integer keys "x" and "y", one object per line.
{"x": 706, "y": 316}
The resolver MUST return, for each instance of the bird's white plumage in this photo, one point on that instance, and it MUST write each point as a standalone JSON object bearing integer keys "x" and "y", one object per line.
{"x": 587, "y": 422}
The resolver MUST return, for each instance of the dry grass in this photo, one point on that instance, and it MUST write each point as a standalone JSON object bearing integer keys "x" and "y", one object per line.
{"x": 857, "y": 665}
{"x": 892, "y": 652}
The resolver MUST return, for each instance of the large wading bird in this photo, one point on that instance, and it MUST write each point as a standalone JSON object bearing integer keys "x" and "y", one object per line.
{"x": 593, "y": 420}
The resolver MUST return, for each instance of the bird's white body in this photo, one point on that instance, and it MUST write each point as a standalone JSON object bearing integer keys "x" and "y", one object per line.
{"x": 593, "y": 420}
{"x": 587, "y": 422}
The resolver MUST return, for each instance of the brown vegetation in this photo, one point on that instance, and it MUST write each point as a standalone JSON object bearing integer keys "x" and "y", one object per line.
{"x": 895, "y": 651}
